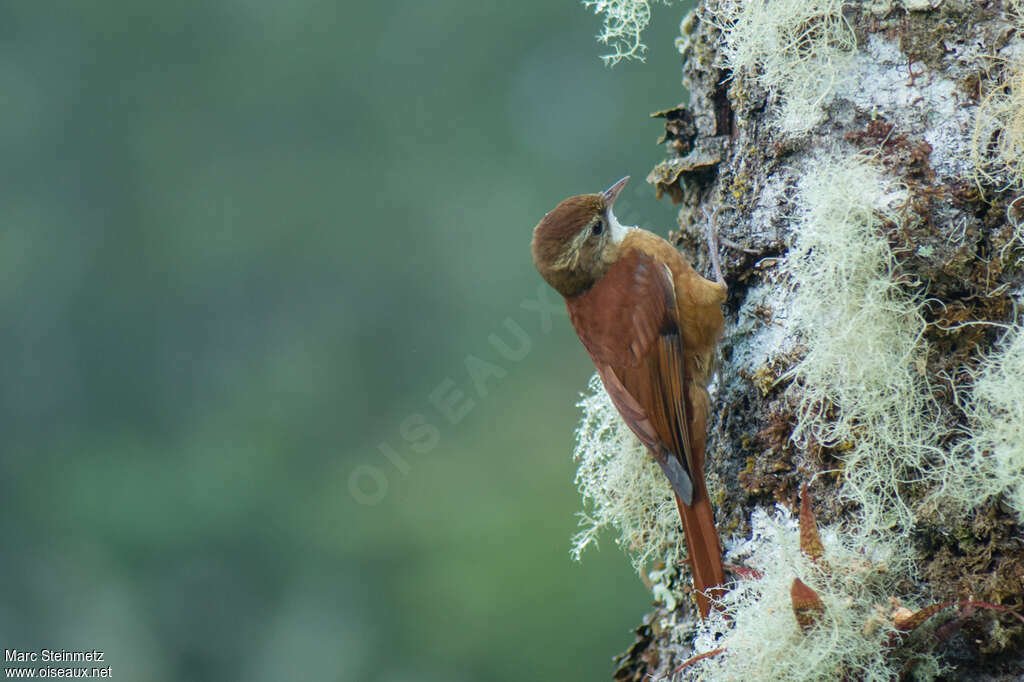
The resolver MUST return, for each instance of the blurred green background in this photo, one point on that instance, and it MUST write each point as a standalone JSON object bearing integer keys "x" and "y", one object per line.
{"x": 242, "y": 244}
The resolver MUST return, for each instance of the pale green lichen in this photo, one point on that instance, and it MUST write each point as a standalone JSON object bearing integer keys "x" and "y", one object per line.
{"x": 758, "y": 630}
{"x": 860, "y": 385}
{"x": 624, "y": 23}
{"x": 998, "y": 139}
{"x": 793, "y": 48}
{"x": 1017, "y": 7}
{"x": 661, "y": 585}
{"x": 995, "y": 442}
{"x": 623, "y": 488}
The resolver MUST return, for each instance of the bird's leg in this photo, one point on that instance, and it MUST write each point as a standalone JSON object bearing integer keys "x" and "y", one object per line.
{"x": 711, "y": 225}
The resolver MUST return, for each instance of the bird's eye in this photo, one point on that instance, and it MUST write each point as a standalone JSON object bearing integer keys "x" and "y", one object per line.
{"x": 598, "y": 227}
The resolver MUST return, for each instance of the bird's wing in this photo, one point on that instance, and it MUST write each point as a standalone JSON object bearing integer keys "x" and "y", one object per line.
{"x": 627, "y": 322}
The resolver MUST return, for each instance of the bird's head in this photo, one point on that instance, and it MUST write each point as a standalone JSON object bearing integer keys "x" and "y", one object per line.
{"x": 575, "y": 243}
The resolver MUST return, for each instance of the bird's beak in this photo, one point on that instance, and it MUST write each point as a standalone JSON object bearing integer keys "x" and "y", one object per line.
{"x": 609, "y": 194}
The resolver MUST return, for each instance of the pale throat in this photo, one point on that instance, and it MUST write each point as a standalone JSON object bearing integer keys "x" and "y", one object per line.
{"x": 617, "y": 231}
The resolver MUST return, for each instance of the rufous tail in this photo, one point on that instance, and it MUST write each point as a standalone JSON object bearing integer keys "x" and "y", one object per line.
{"x": 704, "y": 549}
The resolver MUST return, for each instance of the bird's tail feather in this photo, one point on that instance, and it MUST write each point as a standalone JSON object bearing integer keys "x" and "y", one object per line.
{"x": 704, "y": 549}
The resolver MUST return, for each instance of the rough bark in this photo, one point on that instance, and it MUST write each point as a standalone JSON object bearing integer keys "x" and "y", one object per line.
{"x": 918, "y": 78}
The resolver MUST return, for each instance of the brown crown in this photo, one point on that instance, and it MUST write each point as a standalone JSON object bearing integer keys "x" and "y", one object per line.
{"x": 562, "y": 224}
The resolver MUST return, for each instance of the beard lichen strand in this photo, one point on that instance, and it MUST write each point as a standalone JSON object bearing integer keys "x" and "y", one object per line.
{"x": 858, "y": 386}
{"x": 623, "y": 489}
{"x": 994, "y": 445}
{"x": 792, "y": 48}
{"x": 856, "y": 580}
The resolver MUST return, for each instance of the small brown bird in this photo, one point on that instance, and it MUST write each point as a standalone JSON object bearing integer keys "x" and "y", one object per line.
{"x": 650, "y": 324}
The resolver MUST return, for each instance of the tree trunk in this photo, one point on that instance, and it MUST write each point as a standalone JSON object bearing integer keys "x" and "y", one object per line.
{"x": 861, "y": 162}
